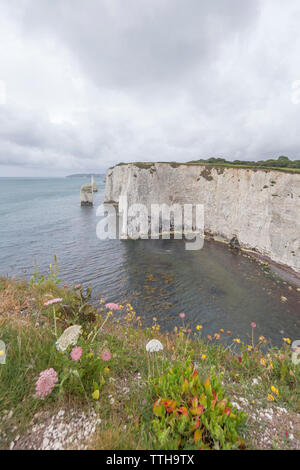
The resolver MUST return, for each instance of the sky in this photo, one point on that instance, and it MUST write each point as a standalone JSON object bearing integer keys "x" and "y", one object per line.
{"x": 86, "y": 84}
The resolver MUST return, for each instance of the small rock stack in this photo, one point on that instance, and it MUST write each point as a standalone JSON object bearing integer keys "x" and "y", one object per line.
{"x": 86, "y": 195}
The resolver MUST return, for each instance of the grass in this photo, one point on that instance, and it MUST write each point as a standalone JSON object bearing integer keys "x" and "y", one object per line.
{"x": 148, "y": 165}
{"x": 127, "y": 383}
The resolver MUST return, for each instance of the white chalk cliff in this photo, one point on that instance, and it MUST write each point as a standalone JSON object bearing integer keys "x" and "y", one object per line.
{"x": 259, "y": 207}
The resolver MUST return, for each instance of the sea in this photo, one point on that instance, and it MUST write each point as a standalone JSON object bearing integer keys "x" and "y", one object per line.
{"x": 41, "y": 220}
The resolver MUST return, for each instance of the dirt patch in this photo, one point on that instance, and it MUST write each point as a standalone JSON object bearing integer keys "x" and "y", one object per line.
{"x": 67, "y": 429}
{"x": 272, "y": 427}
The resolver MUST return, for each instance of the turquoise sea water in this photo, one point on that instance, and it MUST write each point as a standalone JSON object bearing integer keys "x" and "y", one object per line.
{"x": 215, "y": 287}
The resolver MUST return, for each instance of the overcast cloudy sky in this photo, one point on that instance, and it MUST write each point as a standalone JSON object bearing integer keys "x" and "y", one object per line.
{"x": 90, "y": 83}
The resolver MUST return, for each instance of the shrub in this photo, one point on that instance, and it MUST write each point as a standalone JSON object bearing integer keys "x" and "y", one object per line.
{"x": 194, "y": 414}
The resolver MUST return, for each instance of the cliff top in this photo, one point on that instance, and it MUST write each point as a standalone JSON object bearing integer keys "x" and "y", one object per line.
{"x": 269, "y": 165}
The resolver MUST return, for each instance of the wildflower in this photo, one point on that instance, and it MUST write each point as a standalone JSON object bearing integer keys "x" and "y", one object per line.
{"x": 239, "y": 359}
{"x": 221, "y": 330}
{"x": 249, "y": 347}
{"x": 217, "y": 336}
{"x": 229, "y": 333}
{"x": 203, "y": 357}
{"x": 253, "y": 325}
{"x": 209, "y": 337}
{"x": 45, "y": 383}
{"x": 154, "y": 346}
{"x": 237, "y": 340}
{"x": 112, "y": 306}
{"x": 78, "y": 286}
{"x": 90, "y": 354}
{"x": 270, "y": 397}
{"x": 96, "y": 395}
{"x": 262, "y": 339}
{"x": 154, "y": 319}
{"x": 262, "y": 361}
{"x": 53, "y": 301}
{"x": 1, "y": 352}
{"x": 68, "y": 338}
{"x": 106, "y": 370}
{"x": 76, "y": 353}
{"x": 106, "y": 356}
{"x": 198, "y": 327}
{"x": 274, "y": 390}
{"x": 182, "y": 315}
{"x": 287, "y": 340}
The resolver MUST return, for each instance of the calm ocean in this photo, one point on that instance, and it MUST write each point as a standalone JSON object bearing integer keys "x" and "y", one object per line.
{"x": 41, "y": 217}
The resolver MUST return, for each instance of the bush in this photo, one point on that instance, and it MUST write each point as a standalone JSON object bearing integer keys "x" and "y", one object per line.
{"x": 194, "y": 414}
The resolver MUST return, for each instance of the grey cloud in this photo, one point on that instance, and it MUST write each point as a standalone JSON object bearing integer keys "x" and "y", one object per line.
{"x": 104, "y": 81}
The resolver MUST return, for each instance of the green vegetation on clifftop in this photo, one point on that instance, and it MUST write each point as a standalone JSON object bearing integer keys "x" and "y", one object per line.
{"x": 193, "y": 393}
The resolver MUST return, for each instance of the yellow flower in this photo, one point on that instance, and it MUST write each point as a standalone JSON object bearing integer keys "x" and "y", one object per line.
{"x": 287, "y": 340}
{"x": 262, "y": 338}
{"x": 237, "y": 340}
{"x": 90, "y": 354}
{"x": 249, "y": 347}
{"x": 271, "y": 365}
{"x": 96, "y": 395}
{"x": 270, "y": 397}
{"x": 262, "y": 361}
{"x": 198, "y": 327}
{"x": 203, "y": 357}
{"x": 221, "y": 330}
{"x": 1, "y": 352}
{"x": 275, "y": 390}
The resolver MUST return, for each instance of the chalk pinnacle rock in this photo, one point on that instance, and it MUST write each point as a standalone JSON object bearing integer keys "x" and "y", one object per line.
{"x": 94, "y": 185}
{"x": 86, "y": 195}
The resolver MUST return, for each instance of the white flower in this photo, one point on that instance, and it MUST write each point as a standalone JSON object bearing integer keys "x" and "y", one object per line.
{"x": 154, "y": 345}
{"x": 69, "y": 336}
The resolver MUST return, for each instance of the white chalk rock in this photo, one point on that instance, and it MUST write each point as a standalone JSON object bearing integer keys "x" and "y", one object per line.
{"x": 86, "y": 195}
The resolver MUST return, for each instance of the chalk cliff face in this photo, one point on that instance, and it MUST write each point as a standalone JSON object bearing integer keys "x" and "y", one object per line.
{"x": 259, "y": 207}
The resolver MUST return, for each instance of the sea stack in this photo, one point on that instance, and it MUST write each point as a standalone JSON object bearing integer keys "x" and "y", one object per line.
{"x": 86, "y": 195}
{"x": 94, "y": 186}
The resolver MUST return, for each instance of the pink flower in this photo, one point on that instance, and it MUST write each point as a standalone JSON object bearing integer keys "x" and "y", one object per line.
{"x": 45, "y": 383}
{"x": 112, "y": 306}
{"x": 182, "y": 315}
{"x": 53, "y": 301}
{"x": 105, "y": 356}
{"x": 77, "y": 286}
{"x": 76, "y": 353}
{"x": 253, "y": 325}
